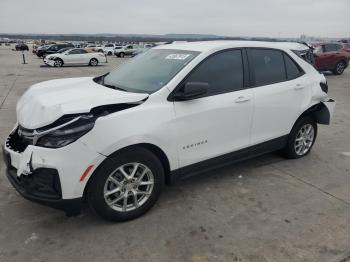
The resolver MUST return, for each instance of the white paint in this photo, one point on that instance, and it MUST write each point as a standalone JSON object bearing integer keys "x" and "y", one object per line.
{"x": 268, "y": 112}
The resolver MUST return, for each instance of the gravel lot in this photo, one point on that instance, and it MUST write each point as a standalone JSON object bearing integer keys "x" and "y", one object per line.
{"x": 264, "y": 209}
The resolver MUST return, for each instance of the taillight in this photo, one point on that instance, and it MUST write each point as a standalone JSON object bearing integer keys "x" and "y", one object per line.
{"x": 324, "y": 87}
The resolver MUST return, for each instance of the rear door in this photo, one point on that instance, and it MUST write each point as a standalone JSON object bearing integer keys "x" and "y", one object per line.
{"x": 279, "y": 88}
{"x": 220, "y": 121}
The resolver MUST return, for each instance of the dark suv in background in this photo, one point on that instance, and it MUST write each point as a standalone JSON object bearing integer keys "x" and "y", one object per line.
{"x": 52, "y": 49}
{"x": 21, "y": 47}
{"x": 331, "y": 57}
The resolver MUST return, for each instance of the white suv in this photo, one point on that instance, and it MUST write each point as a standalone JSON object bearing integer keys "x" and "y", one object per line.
{"x": 106, "y": 49}
{"x": 174, "y": 110}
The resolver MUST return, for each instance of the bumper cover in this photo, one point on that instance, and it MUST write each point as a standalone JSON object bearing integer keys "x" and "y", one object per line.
{"x": 43, "y": 187}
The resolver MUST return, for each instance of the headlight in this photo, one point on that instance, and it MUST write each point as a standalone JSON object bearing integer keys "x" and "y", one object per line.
{"x": 68, "y": 128}
{"x": 66, "y": 133}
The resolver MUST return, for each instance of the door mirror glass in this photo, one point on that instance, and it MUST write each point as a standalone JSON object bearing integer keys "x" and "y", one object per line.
{"x": 192, "y": 90}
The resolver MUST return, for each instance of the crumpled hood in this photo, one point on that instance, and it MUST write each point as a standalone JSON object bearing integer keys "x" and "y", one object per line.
{"x": 46, "y": 102}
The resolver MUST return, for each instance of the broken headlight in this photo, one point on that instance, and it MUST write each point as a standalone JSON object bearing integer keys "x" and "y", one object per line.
{"x": 66, "y": 133}
{"x": 68, "y": 128}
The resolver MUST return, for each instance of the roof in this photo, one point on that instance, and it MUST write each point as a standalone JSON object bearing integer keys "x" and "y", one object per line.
{"x": 205, "y": 46}
{"x": 325, "y": 43}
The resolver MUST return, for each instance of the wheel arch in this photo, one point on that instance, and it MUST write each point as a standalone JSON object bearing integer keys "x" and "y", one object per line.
{"x": 59, "y": 58}
{"x": 319, "y": 112}
{"x": 158, "y": 152}
{"x": 342, "y": 60}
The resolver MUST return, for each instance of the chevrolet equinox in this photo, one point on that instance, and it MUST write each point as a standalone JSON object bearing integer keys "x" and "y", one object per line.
{"x": 116, "y": 139}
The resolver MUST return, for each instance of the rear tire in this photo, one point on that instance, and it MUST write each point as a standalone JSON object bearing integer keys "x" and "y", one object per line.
{"x": 93, "y": 62}
{"x": 109, "y": 184}
{"x": 301, "y": 138}
{"x": 339, "y": 68}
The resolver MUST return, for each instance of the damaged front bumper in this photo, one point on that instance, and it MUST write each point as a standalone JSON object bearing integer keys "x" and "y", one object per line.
{"x": 50, "y": 176}
{"x": 49, "y": 62}
{"x": 43, "y": 187}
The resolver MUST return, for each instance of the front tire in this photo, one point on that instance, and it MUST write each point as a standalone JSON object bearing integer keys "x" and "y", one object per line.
{"x": 126, "y": 185}
{"x": 58, "y": 63}
{"x": 93, "y": 62}
{"x": 339, "y": 68}
{"x": 301, "y": 138}
{"x": 121, "y": 55}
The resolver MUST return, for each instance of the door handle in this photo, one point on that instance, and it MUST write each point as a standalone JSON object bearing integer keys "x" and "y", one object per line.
{"x": 242, "y": 99}
{"x": 299, "y": 86}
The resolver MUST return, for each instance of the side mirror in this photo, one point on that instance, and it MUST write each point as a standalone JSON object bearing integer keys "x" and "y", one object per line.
{"x": 191, "y": 90}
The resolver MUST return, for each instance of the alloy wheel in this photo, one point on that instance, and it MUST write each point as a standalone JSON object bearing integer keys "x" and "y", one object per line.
{"x": 93, "y": 62}
{"x": 128, "y": 187}
{"x": 58, "y": 63}
{"x": 340, "y": 68}
{"x": 304, "y": 139}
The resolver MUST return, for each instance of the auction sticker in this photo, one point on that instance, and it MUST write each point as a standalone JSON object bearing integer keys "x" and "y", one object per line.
{"x": 177, "y": 56}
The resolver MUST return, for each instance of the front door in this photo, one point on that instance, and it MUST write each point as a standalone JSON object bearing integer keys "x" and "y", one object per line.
{"x": 220, "y": 121}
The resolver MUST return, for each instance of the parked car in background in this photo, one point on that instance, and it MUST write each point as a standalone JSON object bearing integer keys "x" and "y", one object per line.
{"x": 114, "y": 140}
{"x": 303, "y": 50}
{"x": 21, "y": 47}
{"x": 149, "y": 45}
{"x": 75, "y": 56}
{"x": 52, "y": 49}
{"x": 107, "y": 49}
{"x": 128, "y": 50}
{"x": 331, "y": 57}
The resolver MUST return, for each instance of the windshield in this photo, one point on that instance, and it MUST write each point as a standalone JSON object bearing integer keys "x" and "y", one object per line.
{"x": 149, "y": 71}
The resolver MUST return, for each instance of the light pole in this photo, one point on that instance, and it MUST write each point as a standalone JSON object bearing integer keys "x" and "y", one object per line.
{"x": 24, "y": 58}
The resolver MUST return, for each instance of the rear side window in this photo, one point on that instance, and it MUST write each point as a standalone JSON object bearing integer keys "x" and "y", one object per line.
{"x": 330, "y": 48}
{"x": 223, "y": 72}
{"x": 293, "y": 70}
{"x": 268, "y": 66}
{"x": 338, "y": 47}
